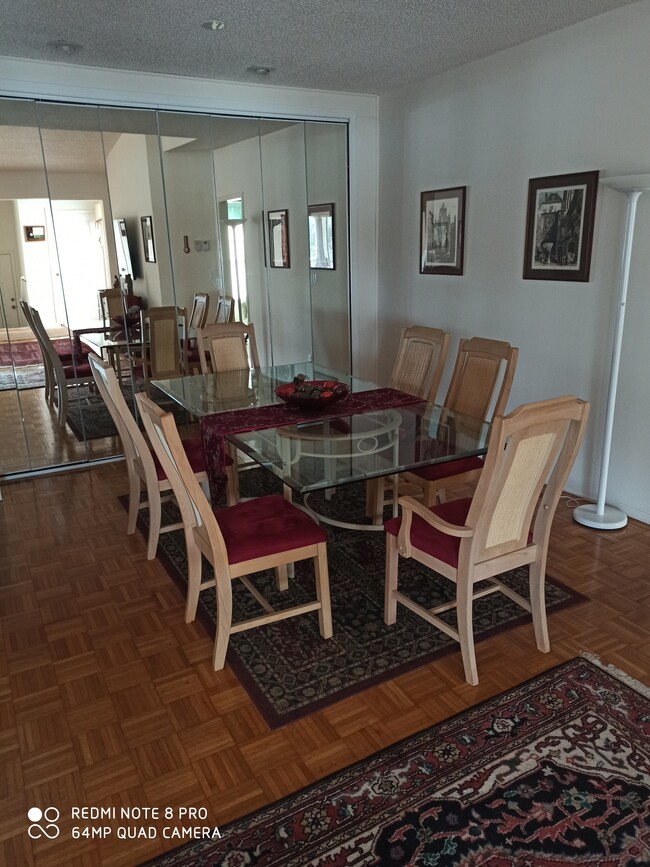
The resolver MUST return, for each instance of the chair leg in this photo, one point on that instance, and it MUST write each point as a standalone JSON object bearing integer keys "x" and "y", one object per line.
{"x": 464, "y": 600}
{"x": 282, "y": 577}
{"x": 390, "y": 587}
{"x": 537, "y": 577}
{"x": 323, "y": 592}
{"x": 194, "y": 571}
{"x": 430, "y": 494}
{"x": 62, "y": 409}
{"x": 134, "y": 503}
{"x": 375, "y": 499}
{"x": 154, "y": 522}
{"x": 224, "y": 622}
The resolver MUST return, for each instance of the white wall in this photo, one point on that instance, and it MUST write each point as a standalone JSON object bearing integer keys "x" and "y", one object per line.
{"x": 571, "y": 101}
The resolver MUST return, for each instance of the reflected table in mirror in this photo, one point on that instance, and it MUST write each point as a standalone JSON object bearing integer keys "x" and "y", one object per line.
{"x": 322, "y": 454}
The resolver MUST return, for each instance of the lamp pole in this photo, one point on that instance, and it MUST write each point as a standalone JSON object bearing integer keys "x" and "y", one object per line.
{"x": 600, "y": 516}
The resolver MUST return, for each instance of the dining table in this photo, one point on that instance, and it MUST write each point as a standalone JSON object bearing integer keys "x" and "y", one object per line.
{"x": 372, "y": 432}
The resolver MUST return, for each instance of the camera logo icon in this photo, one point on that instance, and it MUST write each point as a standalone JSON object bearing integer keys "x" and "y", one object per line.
{"x": 43, "y": 823}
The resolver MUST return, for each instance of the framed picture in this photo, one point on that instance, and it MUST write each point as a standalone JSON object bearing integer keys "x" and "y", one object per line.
{"x": 147, "y": 239}
{"x": 34, "y": 233}
{"x": 442, "y": 230}
{"x": 279, "y": 238}
{"x": 560, "y": 227}
{"x": 321, "y": 236}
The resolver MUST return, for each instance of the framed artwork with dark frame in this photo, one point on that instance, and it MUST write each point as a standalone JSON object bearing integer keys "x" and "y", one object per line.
{"x": 278, "y": 222}
{"x": 442, "y": 231}
{"x": 321, "y": 236}
{"x": 147, "y": 239}
{"x": 34, "y": 233}
{"x": 560, "y": 227}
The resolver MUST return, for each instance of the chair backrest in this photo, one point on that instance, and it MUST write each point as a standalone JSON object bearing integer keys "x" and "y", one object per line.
{"x": 420, "y": 361}
{"x": 231, "y": 346}
{"x": 113, "y": 304}
{"x": 50, "y": 355}
{"x": 133, "y": 441}
{"x": 196, "y": 511}
{"x": 533, "y": 447}
{"x": 199, "y": 314}
{"x": 480, "y": 365}
{"x": 225, "y": 309}
{"x": 163, "y": 331}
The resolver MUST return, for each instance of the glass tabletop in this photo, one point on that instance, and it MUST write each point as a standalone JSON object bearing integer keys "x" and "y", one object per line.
{"x": 238, "y": 389}
{"x": 316, "y": 455}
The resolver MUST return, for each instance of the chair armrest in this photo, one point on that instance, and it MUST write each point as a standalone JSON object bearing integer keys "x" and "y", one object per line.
{"x": 411, "y": 506}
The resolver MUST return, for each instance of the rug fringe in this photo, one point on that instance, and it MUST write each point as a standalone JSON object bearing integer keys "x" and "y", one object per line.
{"x": 617, "y": 673}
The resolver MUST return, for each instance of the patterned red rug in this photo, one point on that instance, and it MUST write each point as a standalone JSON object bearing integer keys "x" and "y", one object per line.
{"x": 553, "y": 772}
{"x": 27, "y": 352}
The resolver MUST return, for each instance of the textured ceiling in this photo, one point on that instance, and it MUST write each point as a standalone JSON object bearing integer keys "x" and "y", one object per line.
{"x": 363, "y": 46}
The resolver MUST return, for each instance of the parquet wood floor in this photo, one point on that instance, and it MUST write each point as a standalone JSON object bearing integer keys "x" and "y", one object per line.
{"x": 108, "y": 699}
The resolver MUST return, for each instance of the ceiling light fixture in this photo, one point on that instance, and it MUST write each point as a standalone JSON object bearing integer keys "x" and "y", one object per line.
{"x": 214, "y": 25}
{"x": 64, "y": 46}
{"x": 259, "y": 70}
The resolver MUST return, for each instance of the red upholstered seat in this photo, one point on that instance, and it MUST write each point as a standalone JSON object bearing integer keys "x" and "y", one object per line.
{"x": 79, "y": 371}
{"x": 426, "y": 538}
{"x": 266, "y": 525}
{"x": 448, "y": 468}
{"x": 195, "y": 455}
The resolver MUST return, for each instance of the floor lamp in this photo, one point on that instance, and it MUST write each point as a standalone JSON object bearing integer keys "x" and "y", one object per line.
{"x": 598, "y": 515}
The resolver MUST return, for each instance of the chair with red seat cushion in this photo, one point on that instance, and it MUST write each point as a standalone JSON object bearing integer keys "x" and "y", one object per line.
{"x": 265, "y": 533}
{"x": 472, "y": 541}
{"x": 58, "y": 377}
{"x": 482, "y": 366}
{"x": 141, "y": 464}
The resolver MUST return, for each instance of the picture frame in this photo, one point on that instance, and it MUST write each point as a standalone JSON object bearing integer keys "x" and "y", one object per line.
{"x": 321, "y": 237}
{"x": 442, "y": 231}
{"x": 560, "y": 227}
{"x": 34, "y": 233}
{"x": 278, "y": 227}
{"x": 147, "y": 239}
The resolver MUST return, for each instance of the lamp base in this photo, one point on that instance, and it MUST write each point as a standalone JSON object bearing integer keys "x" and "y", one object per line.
{"x": 610, "y": 519}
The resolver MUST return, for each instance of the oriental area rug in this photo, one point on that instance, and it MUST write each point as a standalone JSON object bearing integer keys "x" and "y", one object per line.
{"x": 286, "y": 667}
{"x": 553, "y": 772}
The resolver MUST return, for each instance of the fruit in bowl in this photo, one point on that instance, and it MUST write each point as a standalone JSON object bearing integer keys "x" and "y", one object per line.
{"x": 311, "y": 393}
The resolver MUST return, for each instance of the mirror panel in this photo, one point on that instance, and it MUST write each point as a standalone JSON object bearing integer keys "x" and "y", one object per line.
{"x": 327, "y": 190}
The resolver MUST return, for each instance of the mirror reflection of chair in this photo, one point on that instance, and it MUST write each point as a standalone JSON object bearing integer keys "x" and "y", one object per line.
{"x": 230, "y": 346}
{"x": 163, "y": 332}
{"x": 481, "y": 379}
{"x": 475, "y": 539}
{"x": 142, "y": 465}
{"x": 225, "y": 309}
{"x": 112, "y": 303}
{"x": 264, "y": 533}
{"x": 198, "y": 318}
{"x": 61, "y": 376}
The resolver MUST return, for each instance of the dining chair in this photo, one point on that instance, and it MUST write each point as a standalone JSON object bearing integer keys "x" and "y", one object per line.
{"x": 143, "y": 466}
{"x": 112, "y": 303}
{"x": 163, "y": 332}
{"x": 473, "y": 540}
{"x": 420, "y": 361}
{"x": 59, "y": 377}
{"x": 479, "y": 388}
{"x": 225, "y": 309}
{"x": 229, "y": 346}
{"x": 198, "y": 318}
{"x": 418, "y": 368}
{"x": 265, "y": 533}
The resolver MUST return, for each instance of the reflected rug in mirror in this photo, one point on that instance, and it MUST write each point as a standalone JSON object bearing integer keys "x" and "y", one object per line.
{"x": 286, "y": 667}
{"x": 555, "y": 771}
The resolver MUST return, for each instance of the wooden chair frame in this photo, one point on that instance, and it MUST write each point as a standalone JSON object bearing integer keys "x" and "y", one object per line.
{"x": 480, "y": 365}
{"x": 241, "y": 348}
{"x": 140, "y": 465}
{"x": 420, "y": 361}
{"x": 203, "y": 537}
{"x": 163, "y": 332}
{"x": 55, "y": 378}
{"x": 529, "y": 458}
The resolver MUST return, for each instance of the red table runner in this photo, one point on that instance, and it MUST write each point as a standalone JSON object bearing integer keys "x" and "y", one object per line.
{"x": 217, "y": 426}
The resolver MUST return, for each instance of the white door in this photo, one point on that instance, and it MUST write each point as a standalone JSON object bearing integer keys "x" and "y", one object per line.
{"x": 10, "y": 313}
{"x": 80, "y": 246}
